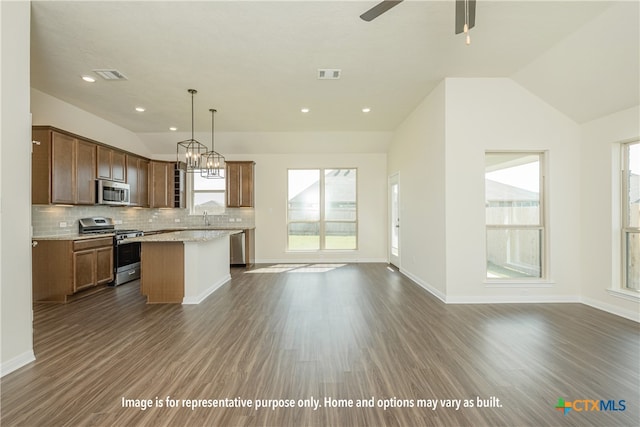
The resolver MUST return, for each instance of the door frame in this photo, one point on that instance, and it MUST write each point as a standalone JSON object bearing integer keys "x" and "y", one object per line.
{"x": 394, "y": 179}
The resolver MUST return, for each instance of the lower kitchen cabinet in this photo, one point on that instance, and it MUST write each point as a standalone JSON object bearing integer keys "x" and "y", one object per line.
{"x": 67, "y": 269}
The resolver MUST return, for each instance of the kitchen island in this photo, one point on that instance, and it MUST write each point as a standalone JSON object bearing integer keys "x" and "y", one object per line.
{"x": 184, "y": 266}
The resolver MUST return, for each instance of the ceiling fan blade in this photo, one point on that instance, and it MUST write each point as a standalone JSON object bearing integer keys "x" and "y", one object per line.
{"x": 460, "y": 14}
{"x": 379, "y": 9}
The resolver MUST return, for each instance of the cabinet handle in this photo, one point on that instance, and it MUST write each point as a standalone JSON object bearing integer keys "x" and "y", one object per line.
{"x": 34, "y": 244}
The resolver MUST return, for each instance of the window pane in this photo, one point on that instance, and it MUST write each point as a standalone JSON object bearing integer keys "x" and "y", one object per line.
{"x": 200, "y": 183}
{"x": 340, "y": 194}
{"x": 512, "y": 188}
{"x": 633, "y": 261}
{"x": 304, "y": 195}
{"x": 633, "y": 185}
{"x": 340, "y": 235}
{"x": 513, "y": 253}
{"x": 304, "y": 236}
{"x": 210, "y": 202}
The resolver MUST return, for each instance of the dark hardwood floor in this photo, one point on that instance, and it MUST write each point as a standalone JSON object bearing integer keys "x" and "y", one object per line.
{"x": 358, "y": 331}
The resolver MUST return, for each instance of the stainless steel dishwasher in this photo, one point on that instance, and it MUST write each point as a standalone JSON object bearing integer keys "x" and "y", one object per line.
{"x": 237, "y": 249}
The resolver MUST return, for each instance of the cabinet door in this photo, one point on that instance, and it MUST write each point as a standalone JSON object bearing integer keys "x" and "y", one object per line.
{"x": 84, "y": 269}
{"x": 85, "y": 173}
{"x": 132, "y": 180}
{"x": 104, "y": 162}
{"x": 159, "y": 189}
{"x": 246, "y": 184}
{"x": 63, "y": 179}
{"x": 111, "y": 164}
{"x": 40, "y": 167}
{"x": 239, "y": 184}
{"x": 118, "y": 166}
{"x": 143, "y": 182}
{"x": 104, "y": 265}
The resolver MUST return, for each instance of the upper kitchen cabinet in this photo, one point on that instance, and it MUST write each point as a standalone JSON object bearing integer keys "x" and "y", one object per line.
{"x": 138, "y": 180}
{"x": 161, "y": 184}
{"x": 240, "y": 184}
{"x": 111, "y": 164}
{"x": 63, "y": 168}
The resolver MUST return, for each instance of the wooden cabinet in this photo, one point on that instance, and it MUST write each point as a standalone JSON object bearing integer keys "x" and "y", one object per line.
{"x": 85, "y": 173}
{"x": 63, "y": 168}
{"x": 137, "y": 178}
{"x": 63, "y": 270}
{"x": 240, "y": 184}
{"x": 111, "y": 164}
{"x": 161, "y": 184}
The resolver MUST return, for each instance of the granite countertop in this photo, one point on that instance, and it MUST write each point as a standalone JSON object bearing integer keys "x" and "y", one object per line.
{"x": 152, "y": 232}
{"x": 198, "y": 227}
{"x": 73, "y": 236}
{"x": 185, "y": 236}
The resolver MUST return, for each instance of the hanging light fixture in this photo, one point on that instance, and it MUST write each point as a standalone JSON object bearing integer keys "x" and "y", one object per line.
{"x": 192, "y": 150}
{"x": 213, "y": 163}
{"x": 466, "y": 23}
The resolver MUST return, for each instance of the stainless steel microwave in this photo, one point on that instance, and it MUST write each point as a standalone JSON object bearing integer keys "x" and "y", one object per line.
{"x": 112, "y": 193}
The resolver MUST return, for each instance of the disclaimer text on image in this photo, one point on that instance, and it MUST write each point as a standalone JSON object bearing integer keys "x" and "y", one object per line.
{"x": 313, "y": 403}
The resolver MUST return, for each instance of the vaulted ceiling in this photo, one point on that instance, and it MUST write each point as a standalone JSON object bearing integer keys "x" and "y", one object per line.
{"x": 256, "y": 62}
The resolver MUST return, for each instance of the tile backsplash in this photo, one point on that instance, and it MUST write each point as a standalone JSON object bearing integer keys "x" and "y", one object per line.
{"x": 53, "y": 220}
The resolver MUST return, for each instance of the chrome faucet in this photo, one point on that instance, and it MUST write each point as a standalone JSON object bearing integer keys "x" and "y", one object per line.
{"x": 206, "y": 218}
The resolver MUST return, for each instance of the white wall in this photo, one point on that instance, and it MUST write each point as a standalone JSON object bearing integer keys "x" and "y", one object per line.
{"x": 601, "y": 211}
{"x": 498, "y": 114}
{"x": 51, "y": 111}
{"x": 439, "y": 152}
{"x": 271, "y": 205}
{"x": 417, "y": 153}
{"x": 15, "y": 188}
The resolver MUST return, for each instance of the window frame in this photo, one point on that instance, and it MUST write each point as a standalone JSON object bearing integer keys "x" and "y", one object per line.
{"x": 191, "y": 192}
{"x": 322, "y": 221}
{"x": 626, "y": 229}
{"x": 541, "y": 226}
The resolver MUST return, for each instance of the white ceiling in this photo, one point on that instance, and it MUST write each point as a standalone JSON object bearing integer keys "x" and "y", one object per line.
{"x": 256, "y": 61}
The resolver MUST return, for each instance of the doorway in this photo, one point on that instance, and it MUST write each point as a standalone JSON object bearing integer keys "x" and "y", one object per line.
{"x": 394, "y": 220}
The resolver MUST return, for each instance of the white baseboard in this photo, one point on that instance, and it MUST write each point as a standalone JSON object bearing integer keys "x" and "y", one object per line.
{"x": 320, "y": 261}
{"x": 514, "y": 299}
{"x": 433, "y": 291}
{"x": 609, "y": 308}
{"x": 211, "y": 289}
{"x": 17, "y": 362}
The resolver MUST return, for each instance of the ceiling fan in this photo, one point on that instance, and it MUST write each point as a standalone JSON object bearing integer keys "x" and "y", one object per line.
{"x": 465, "y": 14}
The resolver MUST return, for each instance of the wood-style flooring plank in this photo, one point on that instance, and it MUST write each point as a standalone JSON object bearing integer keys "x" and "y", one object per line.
{"x": 357, "y": 331}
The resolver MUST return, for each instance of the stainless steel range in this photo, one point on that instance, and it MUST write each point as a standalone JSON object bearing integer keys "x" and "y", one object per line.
{"x": 126, "y": 255}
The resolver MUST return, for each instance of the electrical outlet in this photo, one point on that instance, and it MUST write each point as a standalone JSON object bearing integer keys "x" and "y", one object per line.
{"x": 176, "y": 220}
{"x": 117, "y": 222}
{"x": 238, "y": 219}
{"x": 232, "y": 220}
{"x": 63, "y": 224}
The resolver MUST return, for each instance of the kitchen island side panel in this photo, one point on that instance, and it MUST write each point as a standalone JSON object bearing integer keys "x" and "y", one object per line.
{"x": 207, "y": 268}
{"x": 162, "y": 277}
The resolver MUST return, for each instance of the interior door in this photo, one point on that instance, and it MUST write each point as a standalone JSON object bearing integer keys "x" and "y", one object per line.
{"x": 394, "y": 220}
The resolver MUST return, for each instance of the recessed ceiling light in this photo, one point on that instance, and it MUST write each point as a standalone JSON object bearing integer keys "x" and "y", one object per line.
{"x": 88, "y": 79}
{"x": 366, "y": 110}
{"x": 173, "y": 128}
{"x": 305, "y": 110}
{"x": 140, "y": 109}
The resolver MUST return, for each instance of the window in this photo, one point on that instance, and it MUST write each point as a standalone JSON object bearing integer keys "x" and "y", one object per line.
{"x": 514, "y": 215}
{"x": 206, "y": 195}
{"x": 322, "y": 209}
{"x": 631, "y": 216}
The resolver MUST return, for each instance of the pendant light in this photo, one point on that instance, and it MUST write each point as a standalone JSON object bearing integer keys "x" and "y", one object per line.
{"x": 191, "y": 151}
{"x": 213, "y": 163}
{"x": 466, "y": 23}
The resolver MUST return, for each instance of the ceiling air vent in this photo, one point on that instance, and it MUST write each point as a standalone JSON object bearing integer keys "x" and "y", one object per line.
{"x": 110, "y": 74}
{"x": 328, "y": 73}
